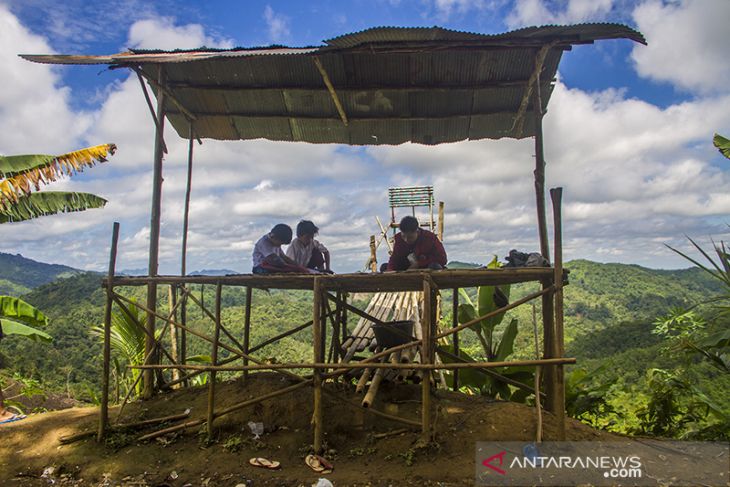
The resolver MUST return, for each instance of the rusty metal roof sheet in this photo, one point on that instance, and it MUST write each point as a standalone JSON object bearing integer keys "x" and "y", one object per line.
{"x": 393, "y": 85}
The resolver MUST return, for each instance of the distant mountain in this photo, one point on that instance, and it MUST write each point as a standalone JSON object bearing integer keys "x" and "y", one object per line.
{"x": 213, "y": 272}
{"x": 18, "y": 274}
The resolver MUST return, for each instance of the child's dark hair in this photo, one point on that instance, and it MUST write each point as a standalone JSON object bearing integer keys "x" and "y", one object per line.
{"x": 282, "y": 232}
{"x": 409, "y": 224}
{"x": 306, "y": 227}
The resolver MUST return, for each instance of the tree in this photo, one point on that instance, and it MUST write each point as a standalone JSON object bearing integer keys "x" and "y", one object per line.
{"x": 21, "y": 175}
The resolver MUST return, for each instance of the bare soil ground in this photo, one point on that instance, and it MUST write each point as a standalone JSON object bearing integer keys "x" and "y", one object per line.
{"x": 30, "y": 447}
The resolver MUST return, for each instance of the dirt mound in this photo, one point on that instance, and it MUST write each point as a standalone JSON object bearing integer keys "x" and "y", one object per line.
{"x": 365, "y": 449}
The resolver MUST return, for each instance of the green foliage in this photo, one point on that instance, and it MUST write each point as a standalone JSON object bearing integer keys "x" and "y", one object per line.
{"x": 35, "y": 205}
{"x": 19, "y": 318}
{"x": 584, "y": 399}
{"x": 722, "y": 144}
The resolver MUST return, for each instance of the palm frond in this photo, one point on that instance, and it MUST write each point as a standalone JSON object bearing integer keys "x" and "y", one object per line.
{"x": 722, "y": 144}
{"x": 47, "y": 203}
{"x": 24, "y": 173}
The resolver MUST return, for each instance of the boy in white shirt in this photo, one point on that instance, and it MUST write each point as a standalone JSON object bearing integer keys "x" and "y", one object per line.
{"x": 306, "y": 251}
{"x": 268, "y": 258}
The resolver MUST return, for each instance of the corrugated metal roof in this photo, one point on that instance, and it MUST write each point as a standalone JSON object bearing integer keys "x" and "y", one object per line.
{"x": 424, "y": 85}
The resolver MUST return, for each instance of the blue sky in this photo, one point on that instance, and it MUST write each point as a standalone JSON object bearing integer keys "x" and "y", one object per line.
{"x": 628, "y": 135}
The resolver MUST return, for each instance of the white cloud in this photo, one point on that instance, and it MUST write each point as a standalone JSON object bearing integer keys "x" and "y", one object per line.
{"x": 36, "y": 117}
{"x": 162, "y": 33}
{"x": 539, "y": 12}
{"x": 277, "y": 24}
{"x": 687, "y": 43}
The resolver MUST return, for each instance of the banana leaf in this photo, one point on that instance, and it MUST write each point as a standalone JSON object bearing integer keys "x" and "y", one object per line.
{"x": 47, "y": 203}
{"x": 506, "y": 344}
{"x": 10, "y": 327}
{"x": 722, "y": 144}
{"x": 487, "y": 302}
{"x": 23, "y": 173}
{"x": 19, "y": 310}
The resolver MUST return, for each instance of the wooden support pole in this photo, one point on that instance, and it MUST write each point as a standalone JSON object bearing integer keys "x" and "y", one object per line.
{"x": 454, "y": 324}
{"x": 540, "y": 170}
{"x": 172, "y": 301}
{"x": 104, "y": 411}
{"x": 426, "y": 327}
{"x": 441, "y": 221}
{"x": 365, "y": 365}
{"x": 318, "y": 357}
{"x": 556, "y": 195}
{"x": 184, "y": 252}
{"x": 373, "y": 254}
{"x": 247, "y": 328}
{"x": 148, "y": 377}
{"x": 214, "y": 360}
{"x": 331, "y": 89}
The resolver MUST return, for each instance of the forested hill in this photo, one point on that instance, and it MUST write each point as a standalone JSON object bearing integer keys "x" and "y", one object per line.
{"x": 18, "y": 275}
{"x": 600, "y": 300}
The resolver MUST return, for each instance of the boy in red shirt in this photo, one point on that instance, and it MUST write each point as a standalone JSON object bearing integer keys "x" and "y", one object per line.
{"x": 416, "y": 248}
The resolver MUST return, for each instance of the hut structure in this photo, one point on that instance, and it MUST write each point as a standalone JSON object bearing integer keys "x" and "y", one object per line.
{"x": 378, "y": 86}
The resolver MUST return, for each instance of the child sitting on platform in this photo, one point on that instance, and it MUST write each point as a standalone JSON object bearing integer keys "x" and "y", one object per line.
{"x": 306, "y": 251}
{"x": 268, "y": 258}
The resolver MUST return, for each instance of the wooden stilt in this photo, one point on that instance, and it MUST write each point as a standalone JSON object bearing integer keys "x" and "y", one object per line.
{"x": 214, "y": 361}
{"x": 318, "y": 357}
{"x": 540, "y": 170}
{"x": 441, "y": 221}
{"x": 172, "y": 300}
{"x": 247, "y": 328}
{"x": 373, "y": 254}
{"x": 104, "y": 411}
{"x": 148, "y": 377}
{"x": 556, "y": 195}
{"x": 454, "y": 324}
{"x": 184, "y": 253}
{"x": 426, "y": 325}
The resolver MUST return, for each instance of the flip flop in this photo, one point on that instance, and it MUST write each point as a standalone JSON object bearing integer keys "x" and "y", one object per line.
{"x": 14, "y": 417}
{"x": 264, "y": 463}
{"x": 319, "y": 464}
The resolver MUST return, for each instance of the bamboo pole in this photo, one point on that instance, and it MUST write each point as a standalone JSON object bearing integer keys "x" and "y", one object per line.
{"x": 365, "y": 365}
{"x": 373, "y": 389}
{"x": 540, "y": 162}
{"x": 556, "y": 195}
{"x": 228, "y": 410}
{"x": 154, "y": 248}
{"x": 417, "y": 342}
{"x": 184, "y": 252}
{"x": 426, "y": 326}
{"x": 104, "y": 410}
{"x": 247, "y": 328}
{"x": 454, "y": 324}
{"x": 214, "y": 360}
{"x": 538, "y": 399}
{"x": 362, "y": 382}
{"x": 317, "y": 376}
{"x": 373, "y": 255}
{"x": 172, "y": 301}
{"x": 441, "y": 221}
{"x": 65, "y": 440}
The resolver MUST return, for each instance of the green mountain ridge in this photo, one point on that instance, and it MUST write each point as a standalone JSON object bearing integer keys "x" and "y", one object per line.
{"x": 19, "y": 274}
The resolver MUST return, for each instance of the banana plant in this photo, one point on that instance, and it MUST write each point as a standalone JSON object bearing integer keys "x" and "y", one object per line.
{"x": 22, "y": 176}
{"x": 489, "y": 299}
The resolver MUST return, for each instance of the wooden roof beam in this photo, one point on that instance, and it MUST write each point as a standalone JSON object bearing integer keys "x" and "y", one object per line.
{"x": 519, "y": 121}
{"x": 331, "y": 89}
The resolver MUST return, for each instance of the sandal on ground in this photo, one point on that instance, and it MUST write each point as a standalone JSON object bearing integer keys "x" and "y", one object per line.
{"x": 264, "y": 463}
{"x": 319, "y": 464}
{"x": 14, "y": 417}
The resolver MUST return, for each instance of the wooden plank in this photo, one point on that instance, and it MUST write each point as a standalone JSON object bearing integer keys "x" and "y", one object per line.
{"x": 556, "y": 195}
